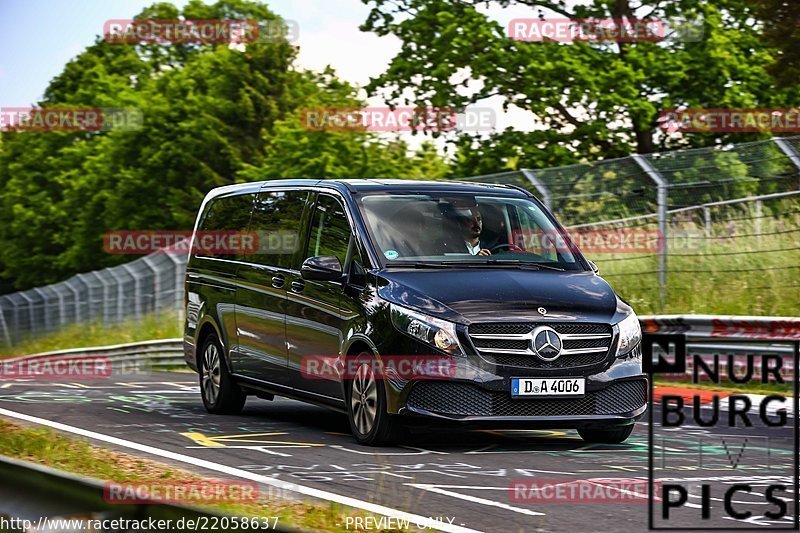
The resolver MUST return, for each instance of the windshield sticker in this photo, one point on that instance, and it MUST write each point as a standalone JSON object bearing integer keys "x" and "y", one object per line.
{"x": 391, "y": 254}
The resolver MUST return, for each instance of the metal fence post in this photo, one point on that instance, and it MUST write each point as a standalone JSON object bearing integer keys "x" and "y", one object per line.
{"x": 790, "y": 152}
{"x": 547, "y": 198}
{"x": 44, "y": 298}
{"x": 156, "y": 281}
{"x": 137, "y": 291}
{"x": 75, "y": 294}
{"x": 4, "y": 328}
{"x": 757, "y": 220}
{"x": 106, "y": 295}
{"x": 178, "y": 287}
{"x": 3, "y": 325}
{"x": 120, "y": 292}
{"x": 62, "y": 311}
{"x": 661, "y": 199}
{"x": 31, "y": 315}
{"x": 88, "y": 316}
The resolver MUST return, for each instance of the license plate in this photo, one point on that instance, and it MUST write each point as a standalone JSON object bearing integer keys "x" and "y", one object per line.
{"x": 548, "y": 387}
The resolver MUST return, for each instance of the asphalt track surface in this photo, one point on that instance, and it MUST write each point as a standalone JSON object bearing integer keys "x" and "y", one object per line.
{"x": 462, "y": 476}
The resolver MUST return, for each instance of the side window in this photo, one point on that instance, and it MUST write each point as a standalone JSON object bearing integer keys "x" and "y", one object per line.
{"x": 277, "y": 217}
{"x": 534, "y": 238}
{"x": 223, "y": 227}
{"x": 330, "y": 231}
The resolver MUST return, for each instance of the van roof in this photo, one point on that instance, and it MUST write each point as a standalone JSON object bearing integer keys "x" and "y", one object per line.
{"x": 373, "y": 185}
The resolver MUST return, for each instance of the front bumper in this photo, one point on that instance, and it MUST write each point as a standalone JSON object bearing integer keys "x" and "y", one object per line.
{"x": 618, "y": 402}
{"x": 479, "y": 393}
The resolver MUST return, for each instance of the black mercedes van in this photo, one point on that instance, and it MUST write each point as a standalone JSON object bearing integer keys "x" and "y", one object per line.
{"x": 352, "y": 284}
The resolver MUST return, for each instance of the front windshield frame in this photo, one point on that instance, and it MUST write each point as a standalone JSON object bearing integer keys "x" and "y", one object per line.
{"x": 580, "y": 263}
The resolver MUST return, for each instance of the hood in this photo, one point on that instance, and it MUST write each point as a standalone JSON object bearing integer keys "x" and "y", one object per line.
{"x": 491, "y": 295}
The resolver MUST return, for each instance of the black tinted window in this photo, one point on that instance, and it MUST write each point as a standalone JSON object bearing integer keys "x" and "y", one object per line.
{"x": 330, "y": 230}
{"x": 222, "y": 231}
{"x": 276, "y": 222}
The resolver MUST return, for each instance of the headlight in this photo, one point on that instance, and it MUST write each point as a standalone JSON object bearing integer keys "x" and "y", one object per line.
{"x": 435, "y": 332}
{"x": 630, "y": 333}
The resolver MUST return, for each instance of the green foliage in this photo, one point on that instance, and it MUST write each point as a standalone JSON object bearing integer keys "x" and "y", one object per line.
{"x": 213, "y": 114}
{"x": 292, "y": 150}
{"x": 781, "y": 29}
{"x": 590, "y": 100}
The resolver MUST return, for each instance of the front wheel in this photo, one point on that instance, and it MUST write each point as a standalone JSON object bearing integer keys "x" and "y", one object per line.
{"x": 370, "y": 422}
{"x": 610, "y": 435}
{"x": 221, "y": 395}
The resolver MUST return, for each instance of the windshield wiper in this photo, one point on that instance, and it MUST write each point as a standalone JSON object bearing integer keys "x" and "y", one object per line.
{"x": 491, "y": 263}
{"x": 504, "y": 263}
{"x": 415, "y": 264}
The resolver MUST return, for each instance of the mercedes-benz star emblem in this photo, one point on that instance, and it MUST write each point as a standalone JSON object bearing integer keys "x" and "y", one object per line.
{"x": 542, "y": 311}
{"x": 546, "y": 343}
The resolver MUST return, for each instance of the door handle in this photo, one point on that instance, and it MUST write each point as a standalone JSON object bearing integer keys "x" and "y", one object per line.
{"x": 298, "y": 285}
{"x": 278, "y": 281}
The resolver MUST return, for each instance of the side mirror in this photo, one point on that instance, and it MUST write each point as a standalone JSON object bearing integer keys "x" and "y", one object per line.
{"x": 322, "y": 268}
{"x": 594, "y": 267}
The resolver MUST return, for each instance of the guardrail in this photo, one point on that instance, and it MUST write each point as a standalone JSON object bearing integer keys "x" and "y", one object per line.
{"x": 725, "y": 327}
{"x": 155, "y": 354}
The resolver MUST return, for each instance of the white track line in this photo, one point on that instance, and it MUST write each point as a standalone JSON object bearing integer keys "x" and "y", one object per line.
{"x": 422, "y": 521}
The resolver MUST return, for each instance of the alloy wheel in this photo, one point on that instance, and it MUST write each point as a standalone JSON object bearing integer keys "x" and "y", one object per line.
{"x": 364, "y": 399}
{"x": 211, "y": 373}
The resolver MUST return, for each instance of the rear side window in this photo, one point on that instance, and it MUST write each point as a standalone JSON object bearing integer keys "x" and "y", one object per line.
{"x": 330, "y": 230}
{"x": 224, "y": 226}
{"x": 277, "y": 217}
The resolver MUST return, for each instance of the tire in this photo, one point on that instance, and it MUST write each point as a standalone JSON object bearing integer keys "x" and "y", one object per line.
{"x": 609, "y": 435}
{"x": 370, "y": 422}
{"x": 221, "y": 395}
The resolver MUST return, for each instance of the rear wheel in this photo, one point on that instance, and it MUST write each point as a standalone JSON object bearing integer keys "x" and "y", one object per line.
{"x": 221, "y": 395}
{"x": 370, "y": 422}
{"x": 609, "y": 435}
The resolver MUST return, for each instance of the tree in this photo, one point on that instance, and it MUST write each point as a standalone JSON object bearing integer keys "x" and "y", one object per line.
{"x": 591, "y": 100}
{"x": 213, "y": 114}
{"x": 781, "y": 30}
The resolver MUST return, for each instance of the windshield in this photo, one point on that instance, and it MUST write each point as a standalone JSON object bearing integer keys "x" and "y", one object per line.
{"x": 464, "y": 228}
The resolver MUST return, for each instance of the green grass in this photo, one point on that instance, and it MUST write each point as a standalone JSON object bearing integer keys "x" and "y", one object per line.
{"x": 162, "y": 326}
{"x": 47, "y": 447}
{"x": 722, "y": 275}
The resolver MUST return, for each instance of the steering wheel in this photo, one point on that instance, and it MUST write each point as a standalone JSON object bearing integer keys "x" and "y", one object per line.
{"x": 511, "y": 247}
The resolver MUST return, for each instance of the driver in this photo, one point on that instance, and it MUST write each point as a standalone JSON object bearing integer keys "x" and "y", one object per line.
{"x": 471, "y": 227}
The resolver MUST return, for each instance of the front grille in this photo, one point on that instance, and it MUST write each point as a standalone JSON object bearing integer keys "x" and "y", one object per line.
{"x": 465, "y": 399}
{"x": 506, "y": 345}
{"x": 496, "y": 343}
{"x": 528, "y": 361}
{"x": 504, "y": 328}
